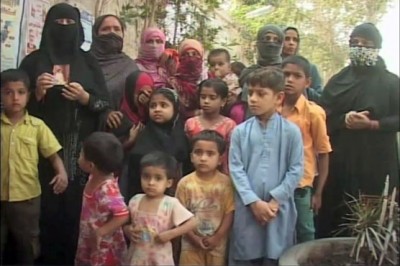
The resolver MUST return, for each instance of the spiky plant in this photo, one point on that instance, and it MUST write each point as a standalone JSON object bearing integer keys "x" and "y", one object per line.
{"x": 374, "y": 222}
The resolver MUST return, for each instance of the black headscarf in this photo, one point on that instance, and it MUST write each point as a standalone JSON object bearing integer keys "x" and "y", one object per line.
{"x": 115, "y": 64}
{"x": 369, "y": 32}
{"x": 63, "y": 48}
{"x": 106, "y": 44}
{"x": 62, "y": 42}
{"x": 169, "y": 137}
{"x": 359, "y": 88}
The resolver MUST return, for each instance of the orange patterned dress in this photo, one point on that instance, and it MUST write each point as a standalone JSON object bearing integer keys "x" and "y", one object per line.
{"x": 224, "y": 127}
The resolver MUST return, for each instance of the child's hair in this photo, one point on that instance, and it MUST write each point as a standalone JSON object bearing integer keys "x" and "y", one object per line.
{"x": 210, "y": 135}
{"x": 268, "y": 77}
{"x": 105, "y": 151}
{"x": 219, "y": 51}
{"x": 163, "y": 160}
{"x": 237, "y": 68}
{"x": 14, "y": 75}
{"x": 299, "y": 61}
{"x": 170, "y": 94}
{"x": 220, "y": 87}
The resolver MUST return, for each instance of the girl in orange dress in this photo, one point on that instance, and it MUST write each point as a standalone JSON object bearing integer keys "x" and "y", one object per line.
{"x": 213, "y": 94}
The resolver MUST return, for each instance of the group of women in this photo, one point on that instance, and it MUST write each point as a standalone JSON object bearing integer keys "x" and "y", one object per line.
{"x": 110, "y": 91}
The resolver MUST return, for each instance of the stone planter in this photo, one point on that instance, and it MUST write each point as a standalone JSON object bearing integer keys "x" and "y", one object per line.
{"x": 301, "y": 253}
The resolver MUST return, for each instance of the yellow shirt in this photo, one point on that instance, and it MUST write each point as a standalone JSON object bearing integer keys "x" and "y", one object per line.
{"x": 311, "y": 120}
{"x": 209, "y": 201}
{"x": 20, "y": 144}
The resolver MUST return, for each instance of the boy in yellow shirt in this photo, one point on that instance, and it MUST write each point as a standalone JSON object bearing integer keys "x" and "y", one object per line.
{"x": 209, "y": 195}
{"x": 22, "y": 136}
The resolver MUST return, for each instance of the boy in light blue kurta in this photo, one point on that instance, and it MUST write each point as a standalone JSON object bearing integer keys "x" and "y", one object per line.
{"x": 266, "y": 164}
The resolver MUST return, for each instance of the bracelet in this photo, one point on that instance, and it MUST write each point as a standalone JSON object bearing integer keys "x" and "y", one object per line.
{"x": 374, "y": 125}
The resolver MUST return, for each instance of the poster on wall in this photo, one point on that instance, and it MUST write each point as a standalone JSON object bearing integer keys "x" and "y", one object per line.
{"x": 36, "y": 15}
{"x": 11, "y": 15}
{"x": 87, "y": 20}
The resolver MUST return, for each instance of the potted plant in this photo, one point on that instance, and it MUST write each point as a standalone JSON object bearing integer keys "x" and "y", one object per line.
{"x": 373, "y": 221}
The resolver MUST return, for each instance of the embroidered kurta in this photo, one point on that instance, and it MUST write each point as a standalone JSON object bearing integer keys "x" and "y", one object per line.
{"x": 264, "y": 162}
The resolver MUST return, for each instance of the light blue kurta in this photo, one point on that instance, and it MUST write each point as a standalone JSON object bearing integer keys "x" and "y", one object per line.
{"x": 264, "y": 162}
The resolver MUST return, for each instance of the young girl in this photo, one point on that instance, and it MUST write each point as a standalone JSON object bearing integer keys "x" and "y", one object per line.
{"x": 156, "y": 219}
{"x": 134, "y": 108}
{"x": 189, "y": 74}
{"x": 101, "y": 240}
{"x": 163, "y": 132}
{"x": 213, "y": 95}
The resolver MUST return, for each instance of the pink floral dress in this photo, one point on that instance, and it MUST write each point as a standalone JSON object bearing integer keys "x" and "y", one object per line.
{"x": 225, "y": 127}
{"x": 148, "y": 252}
{"x": 97, "y": 209}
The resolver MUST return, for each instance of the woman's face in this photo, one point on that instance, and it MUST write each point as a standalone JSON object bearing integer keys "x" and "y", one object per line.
{"x": 155, "y": 42}
{"x": 291, "y": 42}
{"x": 161, "y": 109}
{"x": 189, "y": 53}
{"x": 111, "y": 25}
{"x": 65, "y": 21}
{"x": 361, "y": 42}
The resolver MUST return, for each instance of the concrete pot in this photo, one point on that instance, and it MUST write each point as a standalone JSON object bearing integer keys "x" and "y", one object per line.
{"x": 298, "y": 254}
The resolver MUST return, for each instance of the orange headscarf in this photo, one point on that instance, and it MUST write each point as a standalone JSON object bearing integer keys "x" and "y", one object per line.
{"x": 191, "y": 44}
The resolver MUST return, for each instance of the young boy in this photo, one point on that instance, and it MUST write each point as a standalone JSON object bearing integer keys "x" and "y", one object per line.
{"x": 266, "y": 164}
{"x": 311, "y": 120}
{"x": 220, "y": 67}
{"x": 209, "y": 195}
{"x": 22, "y": 136}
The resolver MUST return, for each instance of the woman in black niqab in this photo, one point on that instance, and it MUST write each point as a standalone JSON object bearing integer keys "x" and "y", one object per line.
{"x": 269, "y": 52}
{"x": 68, "y": 92}
{"x": 362, "y": 108}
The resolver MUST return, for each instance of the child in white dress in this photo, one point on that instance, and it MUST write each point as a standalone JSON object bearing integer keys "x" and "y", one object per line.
{"x": 156, "y": 218}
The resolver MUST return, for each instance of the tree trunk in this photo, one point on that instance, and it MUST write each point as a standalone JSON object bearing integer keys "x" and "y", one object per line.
{"x": 176, "y": 22}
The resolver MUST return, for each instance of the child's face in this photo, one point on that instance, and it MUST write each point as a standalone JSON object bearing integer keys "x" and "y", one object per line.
{"x": 219, "y": 65}
{"x": 161, "y": 109}
{"x": 84, "y": 164}
{"x": 14, "y": 96}
{"x": 154, "y": 181}
{"x": 295, "y": 80}
{"x": 263, "y": 101}
{"x": 210, "y": 101}
{"x": 205, "y": 156}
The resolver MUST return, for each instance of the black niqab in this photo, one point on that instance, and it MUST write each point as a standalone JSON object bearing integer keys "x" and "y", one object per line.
{"x": 62, "y": 41}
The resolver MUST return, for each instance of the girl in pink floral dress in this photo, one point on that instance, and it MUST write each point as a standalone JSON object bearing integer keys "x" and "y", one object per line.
{"x": 156, "y": 218}
{"x": 213, "y": 96}
{"x": 101, "y": 240}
